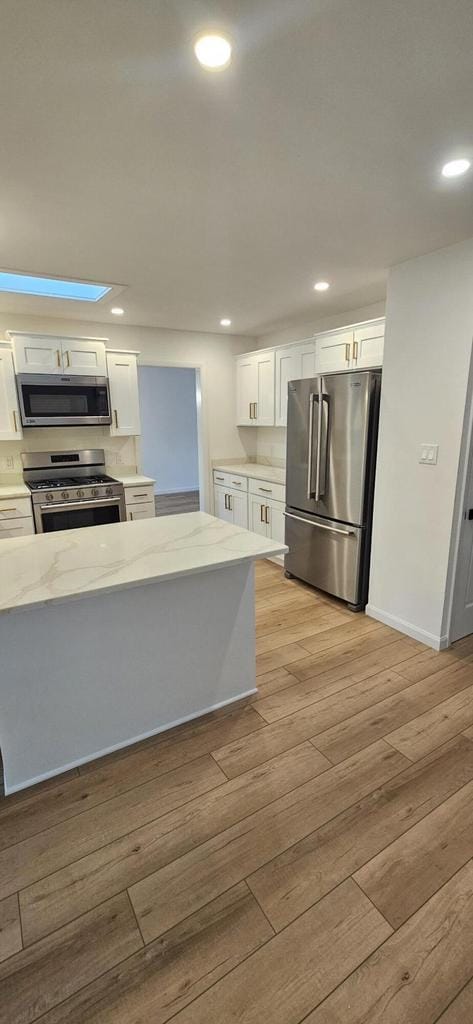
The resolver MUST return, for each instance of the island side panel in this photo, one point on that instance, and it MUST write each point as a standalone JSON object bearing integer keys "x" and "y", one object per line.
{"x": 88, "y": 676}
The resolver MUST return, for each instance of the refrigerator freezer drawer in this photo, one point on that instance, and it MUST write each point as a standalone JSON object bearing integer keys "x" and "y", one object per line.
{"x": 326, "y": 554}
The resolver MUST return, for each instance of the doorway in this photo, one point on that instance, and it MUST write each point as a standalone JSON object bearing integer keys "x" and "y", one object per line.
{"x": 169, "y": 436}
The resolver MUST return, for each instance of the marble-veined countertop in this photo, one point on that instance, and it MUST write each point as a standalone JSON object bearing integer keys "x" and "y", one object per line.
{"x": 69, "y": 564}
{"x": 14, "y": 490}
{"x": 254, "y": 470}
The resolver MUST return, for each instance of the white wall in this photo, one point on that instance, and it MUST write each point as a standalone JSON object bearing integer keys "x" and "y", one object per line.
{"x": 169, "y": 449}
{"x": 214, "y": 353}
{"x": 429, "y": 331}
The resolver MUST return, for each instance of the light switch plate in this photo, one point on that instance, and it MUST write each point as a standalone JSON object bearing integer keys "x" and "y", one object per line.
{"x": 428, "y": 454}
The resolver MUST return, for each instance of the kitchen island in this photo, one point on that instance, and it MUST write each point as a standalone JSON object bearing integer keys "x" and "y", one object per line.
{"x": 115, "y": 633}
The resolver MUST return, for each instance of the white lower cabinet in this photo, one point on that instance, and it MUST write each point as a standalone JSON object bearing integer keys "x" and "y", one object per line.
{"x": 16, "y": 518}
{"x": 231, "y": 505}
{"x": 139, "y": 502}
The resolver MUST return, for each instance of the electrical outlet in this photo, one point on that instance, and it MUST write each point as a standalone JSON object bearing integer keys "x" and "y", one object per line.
{"x": 10, "y": 462}
{"x": 428, "y": 454}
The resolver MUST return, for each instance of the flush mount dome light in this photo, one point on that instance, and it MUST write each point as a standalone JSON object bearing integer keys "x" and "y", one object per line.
{"x": 454, "y": 168}
{"x": 52, "y": 288}
{"x": 213, "y": 51}
{"x": 117, "y": 310}
{"x": 321, "y": 286}
{"x": 225, "y": 322}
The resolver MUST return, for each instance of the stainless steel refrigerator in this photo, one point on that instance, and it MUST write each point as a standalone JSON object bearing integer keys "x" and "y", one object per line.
{"x": 332, "y": 431}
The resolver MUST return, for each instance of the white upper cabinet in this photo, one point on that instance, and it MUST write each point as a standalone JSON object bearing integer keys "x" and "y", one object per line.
{"x": 124, "y": 398}
{"x": 334, "y": 351}
{"x": 84, "y": 357}
{"x": 37, "y": 353}
{"x": 292, "y": 363}
{"x": 368, "y": 345}
{"x": 255, "y": 389}
{"x": 355, "y": 348}
{"x": 10, "y": 424}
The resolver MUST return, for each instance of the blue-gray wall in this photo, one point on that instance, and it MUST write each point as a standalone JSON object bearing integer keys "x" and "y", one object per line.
{"x": 169, "y": 427}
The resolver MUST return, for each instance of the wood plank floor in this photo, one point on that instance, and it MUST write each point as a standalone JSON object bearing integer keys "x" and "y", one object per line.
{"x": 303, "y": 856}
{"x": 175, "y": 504}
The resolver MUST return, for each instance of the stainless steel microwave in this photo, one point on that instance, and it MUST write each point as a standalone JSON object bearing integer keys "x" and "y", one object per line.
{"x": 50, "y": 400}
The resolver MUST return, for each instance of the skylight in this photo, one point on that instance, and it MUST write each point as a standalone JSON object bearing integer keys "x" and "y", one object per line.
{"x": 52, "y": 288}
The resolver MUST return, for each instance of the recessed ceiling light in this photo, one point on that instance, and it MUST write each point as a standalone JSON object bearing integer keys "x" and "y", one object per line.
{"x": 455, "y": 167}
{"x": 225, "y": 322}
{"x": 321, "y": 286}
{"x": 117, "y": 310}
{"x": 213, "y": 51}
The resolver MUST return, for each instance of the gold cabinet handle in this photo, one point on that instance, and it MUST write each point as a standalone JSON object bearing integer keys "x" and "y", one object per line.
{"x": 226, "y": 496}
{"x": 261, "y": 513}
{"x": 250, "y": 407}
{"x": 15, "y": 424}
{"x": 266, "y": 515}
{"x": 355, "y": 350}
{"x": 256, "y": 410}
{"x": 68, "y": 361}
{"x": 2, "y": 510}
{"x": 237, "y": 483}
{"x": 131, "y": 517}
{"x": 58, "y": 357}
{"x": 230, "y": 503}
{"x": 222, "y": 478}
{"x": 116, "y": 418}
{"x": 266, "y": 490}
{"x": 140, "y": 495}
{"x": 347, "y": 352}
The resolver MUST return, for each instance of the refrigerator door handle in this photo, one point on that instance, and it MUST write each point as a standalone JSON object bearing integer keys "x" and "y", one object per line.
{"x": 321, "y": 462}
{"x": 320, "y": 526}
{"x": 310, "y": 455}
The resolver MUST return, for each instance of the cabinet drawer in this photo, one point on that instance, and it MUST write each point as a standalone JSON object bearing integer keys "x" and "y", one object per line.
{"x": 15, "y": 508}
{"x": 267, "y": 490}
{"x": 19, "y": 528}
{"x": 145, "y": 510}
{"x": 233, "y": 480}
{"x": 137, "y": 495}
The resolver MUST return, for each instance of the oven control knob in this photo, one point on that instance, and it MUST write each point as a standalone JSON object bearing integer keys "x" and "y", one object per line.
{"x": 64, "y": 494}
{"x": 49, "y": 497}
{"x": 80, "y": 494}
{"x": 95, "y": 492}
{"x": 108, "y": 490}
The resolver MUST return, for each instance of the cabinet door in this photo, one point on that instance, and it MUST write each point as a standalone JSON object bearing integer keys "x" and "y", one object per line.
{"x": 84, "y": 357}
{"x": 221, "y": 504}
{"x": 10, "y": 424}
{"x": 334, "y": 351}
{"x": 265, "y": 389}
{"x": 37, "y": 354}
{"x": 277, "y": 522}
{"x": 123, "y": 379}
{"x": 247, "y": 390}
{"x": 257, "y": 509}
{"x": 368, "y": 345}
{"x": 293, "y": 363}
{"x": 238, "y": 508}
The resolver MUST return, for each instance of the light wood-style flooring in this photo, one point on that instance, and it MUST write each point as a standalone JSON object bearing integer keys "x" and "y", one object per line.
{"x": 175, "y": 504}
{"x": 303, "y": 856}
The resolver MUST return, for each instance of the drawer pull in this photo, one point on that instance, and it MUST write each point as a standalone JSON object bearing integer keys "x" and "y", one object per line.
{"x": 11, "y": 529}
{"x": 266, "y": 490}
{"x": 2, "y": 510}
{"x": 237, "y": 483}
{"x": 222, "y": 478}
{"x": 141, "y": 496}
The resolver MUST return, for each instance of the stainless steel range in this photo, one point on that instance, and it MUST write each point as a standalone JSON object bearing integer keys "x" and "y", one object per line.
{"x": 71, "y": 489}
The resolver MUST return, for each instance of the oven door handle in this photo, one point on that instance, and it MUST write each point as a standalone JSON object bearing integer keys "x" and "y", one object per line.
{"x": 80, "y": 504}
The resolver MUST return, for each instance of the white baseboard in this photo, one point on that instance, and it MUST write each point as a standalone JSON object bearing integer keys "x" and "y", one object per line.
{"x": 128, "y": 743}
{"x": 439, "y": 643}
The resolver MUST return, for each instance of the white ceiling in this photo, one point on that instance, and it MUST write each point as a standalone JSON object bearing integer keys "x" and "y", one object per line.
{"x": 316, "y": 154}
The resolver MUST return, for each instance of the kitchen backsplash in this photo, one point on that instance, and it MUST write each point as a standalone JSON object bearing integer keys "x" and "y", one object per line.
{"x": 119, "y": 451}
{"x": 271, "y": 446}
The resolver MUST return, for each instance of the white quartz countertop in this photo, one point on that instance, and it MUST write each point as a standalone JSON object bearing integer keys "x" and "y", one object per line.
{"x": 132, "y": 479}
{"x": 55, "y": 567}
{"x": 254, "y": 470}
{"x": 14, "y": 490}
